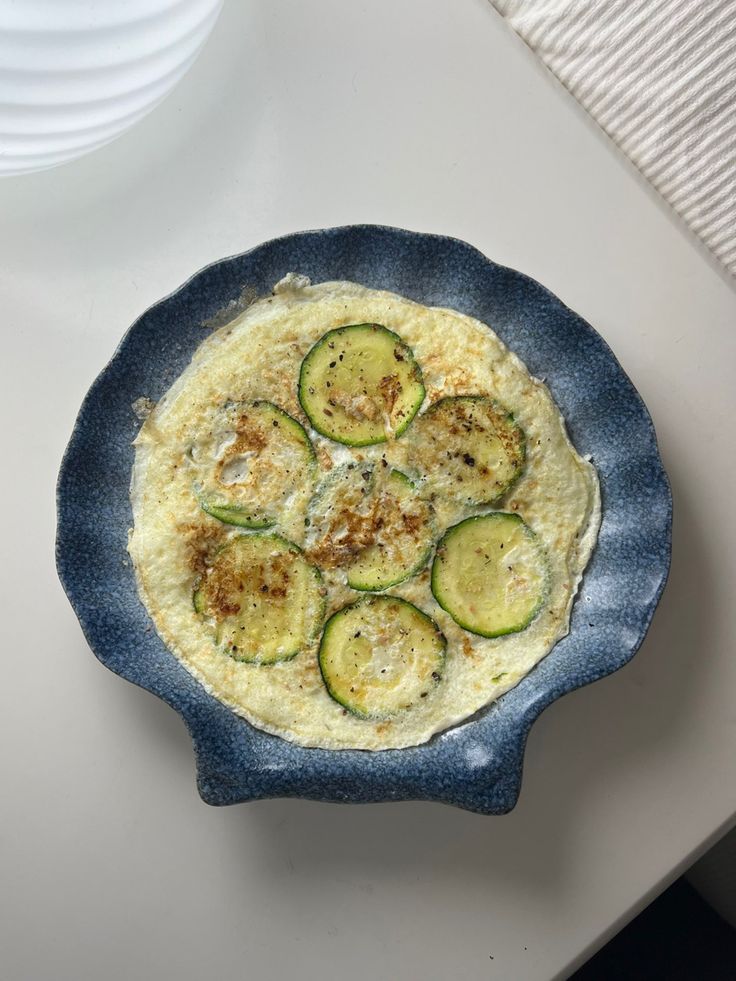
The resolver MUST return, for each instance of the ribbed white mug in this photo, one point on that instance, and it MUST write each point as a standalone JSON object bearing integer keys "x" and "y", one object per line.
{"x": 74, "y": 74}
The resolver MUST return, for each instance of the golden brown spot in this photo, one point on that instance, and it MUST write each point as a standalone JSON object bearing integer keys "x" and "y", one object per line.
{"x": 201, "y": 541}
{"x": 468, "y": 648}
{"x": 219, "y": 602}
{"x": 381, "y": 519}
{"x": 358, "y": 407}
{"x": 324, "y": 458}
{"x": 229, "y": 582}
{"x": 390, "y": 389}
{"x": 412, "y": 522}
{"x": 249, "y": 438}
{"x": 357, "y": 531}
{"x": 249, "y": 433}
{"x": 458, "y": 378}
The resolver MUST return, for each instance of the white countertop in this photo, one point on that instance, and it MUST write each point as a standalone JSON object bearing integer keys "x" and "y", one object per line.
{"x": 432, "y": 115}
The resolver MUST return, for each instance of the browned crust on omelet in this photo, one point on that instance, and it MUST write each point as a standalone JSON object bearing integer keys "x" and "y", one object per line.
{"x": 249, "y": 437}
{"x": 381, "y": 523}
{"x": 203, "y": 540}
{"x": 362, "y": 530}
{"x": 228, "y": 578}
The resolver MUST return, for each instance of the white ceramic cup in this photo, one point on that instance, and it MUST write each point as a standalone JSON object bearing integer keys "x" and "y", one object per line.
{"x": 77, "y": 73}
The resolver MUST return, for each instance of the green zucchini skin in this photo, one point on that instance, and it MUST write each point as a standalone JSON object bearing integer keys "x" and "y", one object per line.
{"x": 266, "y": 601}
{"x": 469, "y": 448}
{"x": 354, "y": 378}
{"x": 491, "y": 574}
{"x": 364, "y": 673}
{"x": 231, "y": 513}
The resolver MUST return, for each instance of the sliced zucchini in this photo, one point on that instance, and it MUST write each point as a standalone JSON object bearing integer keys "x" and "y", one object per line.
{"x": 402, "y": 540}
{"x": 469, "y": 447}
{"x": 231, "y": 515}
{"x": 266, "y": 600}
{"x": 338, "y": 515}
{"x": 490, "y": 574}
{"x": 380, "y": 656}
{"x": 360, "y": 385}
{"x": 251, "y": 462}
{"x": 370, "y": 522}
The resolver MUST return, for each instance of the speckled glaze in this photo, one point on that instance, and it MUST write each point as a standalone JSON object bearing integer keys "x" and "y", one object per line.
{"x": 476, "y": 765}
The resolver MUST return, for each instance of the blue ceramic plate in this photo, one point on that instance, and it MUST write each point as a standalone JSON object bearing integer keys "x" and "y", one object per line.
{"x": 476, "y": 765}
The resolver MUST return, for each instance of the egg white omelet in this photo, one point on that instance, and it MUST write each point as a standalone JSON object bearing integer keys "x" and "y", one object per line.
{"x": 327, "y": 560}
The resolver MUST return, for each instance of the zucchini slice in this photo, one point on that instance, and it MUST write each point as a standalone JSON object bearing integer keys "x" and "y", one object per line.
{"x": 402, "y": 540}
{"x": 490, "y": 574}
{"x": 231, "y": 515}
{"x": 469, "y": 447}
{"x": 380, "y": 656}
{"x": 251, "y": 463}
{"x": 360, "y": 385}
{"x": 266, "y": 600}
{"x": 370, "y": 522}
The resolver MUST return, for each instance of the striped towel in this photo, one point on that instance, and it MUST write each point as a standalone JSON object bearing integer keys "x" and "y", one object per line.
{"x": 660, "y": 77}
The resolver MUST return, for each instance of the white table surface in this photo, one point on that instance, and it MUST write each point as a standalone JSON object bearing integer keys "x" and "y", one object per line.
{"x": 432, "y": 115}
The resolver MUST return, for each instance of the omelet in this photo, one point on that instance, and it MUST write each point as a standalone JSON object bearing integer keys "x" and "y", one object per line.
{"x": 357, "y": 519}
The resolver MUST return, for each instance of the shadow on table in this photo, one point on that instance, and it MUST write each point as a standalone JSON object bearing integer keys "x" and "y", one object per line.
{"x": 677, "y": 938}
{"x": 588, "y": 741}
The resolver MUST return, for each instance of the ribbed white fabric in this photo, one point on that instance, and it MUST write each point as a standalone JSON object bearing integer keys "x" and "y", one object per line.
{"x": 660, "y": 77}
